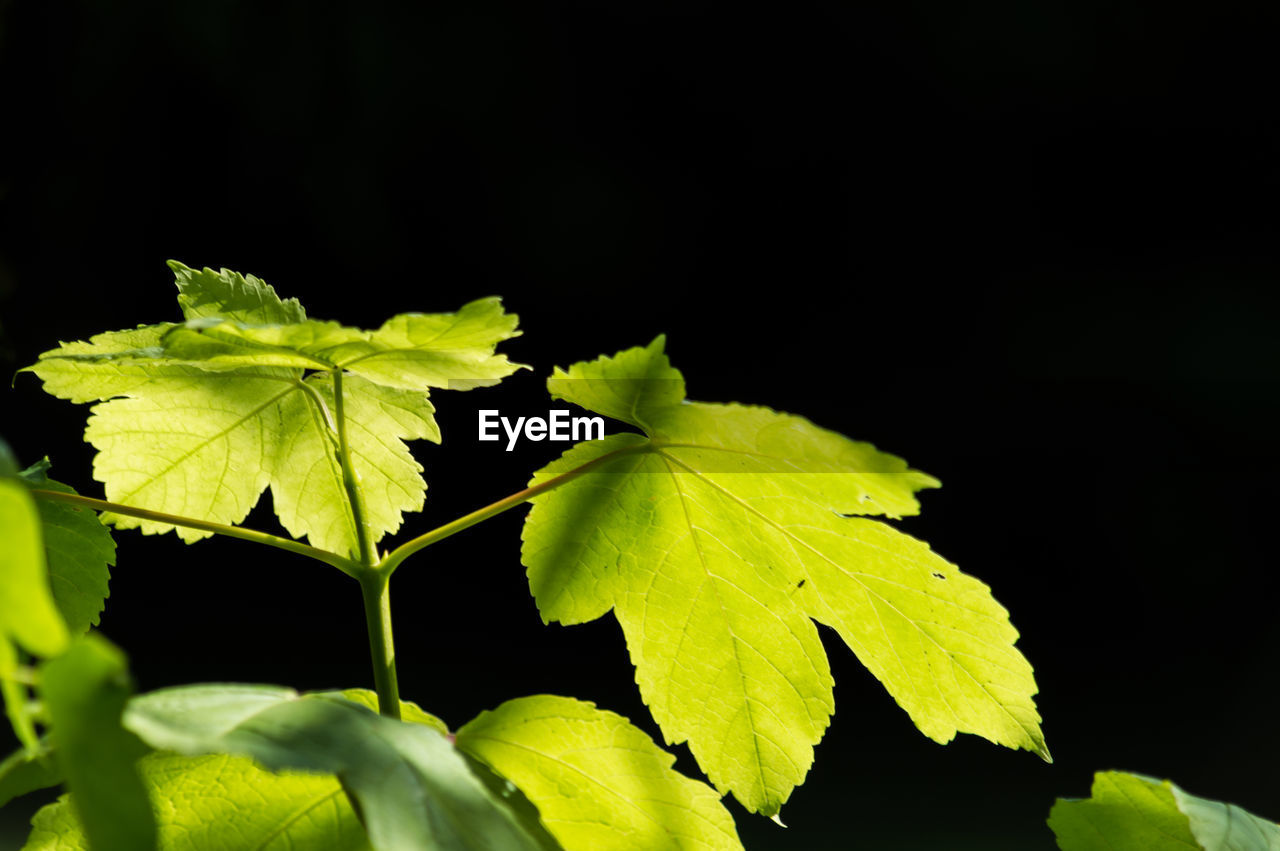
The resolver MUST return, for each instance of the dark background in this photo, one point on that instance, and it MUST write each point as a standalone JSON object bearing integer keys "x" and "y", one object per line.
{"x": 1028, "y": 246}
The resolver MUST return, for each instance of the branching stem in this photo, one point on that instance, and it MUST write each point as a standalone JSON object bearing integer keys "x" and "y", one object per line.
{"x": 373, "y": 579}
{"x": 393, "y": 559}
{"x": 374, "y": 575}
{"x": 346, "y": 565}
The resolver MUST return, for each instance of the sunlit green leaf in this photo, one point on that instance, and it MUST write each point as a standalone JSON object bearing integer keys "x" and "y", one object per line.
{"x": 719, "y": 536}
{"x": 598, "y": 782}
{"x": 198, "y": 419}
{"x": 410, "y": 351}
{"x": 230, "y": 295}
{"x": 224, "y": 803}
{"x": 1129, "y": 812}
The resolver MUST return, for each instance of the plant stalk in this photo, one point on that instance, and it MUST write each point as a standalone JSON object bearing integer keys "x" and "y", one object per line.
{"x": 374, "y": 581}
{"x": 354, "y": 495}
{"x": 377, "y": 614}
{"x": 408, "y": 548}
{"x": 346, "y": 565}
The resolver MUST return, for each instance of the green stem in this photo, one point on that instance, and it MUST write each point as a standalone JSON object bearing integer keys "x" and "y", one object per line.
{"x": 354, "y": 495}
{"x": 377, "y": 615}
{"x": 374, "y": 581}
{"x": 346, "y": 565}
{"x": 393, "y": 559}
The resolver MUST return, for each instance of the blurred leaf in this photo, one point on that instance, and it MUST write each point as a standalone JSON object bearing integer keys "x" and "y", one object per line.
{"x": 80, "y": 553}
{"x": 27, "y": 770}
{"x": 85, "y": 691}
{"x": 29, "y": 618}
{"x": 413, "y": 789}
{"x": 224, "y": 803}
{"x": 1129, "y": 812}
{"x": 409, "y": 711}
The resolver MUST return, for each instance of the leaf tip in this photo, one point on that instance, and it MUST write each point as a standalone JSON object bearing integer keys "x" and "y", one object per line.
{"x": 776, "y": 818}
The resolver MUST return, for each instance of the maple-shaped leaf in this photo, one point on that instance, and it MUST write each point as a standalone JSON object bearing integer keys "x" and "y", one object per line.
{"x": 199, "y": 418}
{"x": 718, "y": 537}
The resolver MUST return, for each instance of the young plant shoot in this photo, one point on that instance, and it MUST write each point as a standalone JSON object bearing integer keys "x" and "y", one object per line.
{"x": 718, "y": 535}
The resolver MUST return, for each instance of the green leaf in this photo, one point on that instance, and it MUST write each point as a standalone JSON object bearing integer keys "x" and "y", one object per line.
{"x": 519, "y": 807}
{"x": 220, "y": 802}
{"x": 719, "y": 536}
{"x": 26, "y": 770}
{"x": 17, "y": 701}
{"x": 306, "y": 480}
{"x": 630, "y": 386}
{"x": 84, "y": 691}
{"x": 79, "y": 550}
{"x": 503, "y": 791}
{"x": 8, "y": 461}
{"x": 230, "y": 295}
{"x": 410, "y": 351}
{"x": 413, "y": 788}
{"x": 1129, "y": 812}
{"x": 28, "y": 616}
{"x": 598, "y": 781}
{"x": 199, "y": 419}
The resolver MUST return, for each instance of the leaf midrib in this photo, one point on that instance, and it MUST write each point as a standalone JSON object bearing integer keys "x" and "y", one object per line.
{"x": 737, "y": 658}
{"x": 212, "y": 438}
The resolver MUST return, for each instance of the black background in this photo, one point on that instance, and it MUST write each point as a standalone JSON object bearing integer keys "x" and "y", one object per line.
{"x": 1028, "y": 246}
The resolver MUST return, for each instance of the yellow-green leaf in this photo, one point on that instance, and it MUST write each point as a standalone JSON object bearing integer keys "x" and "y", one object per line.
{"x": 221, "y": 802}
{"x": 599, "y": 783}
{"x": 719, "y": 536}
{"x": 198, "y": 419}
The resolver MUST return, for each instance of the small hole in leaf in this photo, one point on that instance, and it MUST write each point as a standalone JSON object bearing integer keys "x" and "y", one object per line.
{"x": 800, "y": 584}
{"x": 937, "y": 575}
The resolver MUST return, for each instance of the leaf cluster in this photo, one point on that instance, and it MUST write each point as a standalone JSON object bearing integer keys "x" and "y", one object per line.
{"x": 718, "y": 535}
